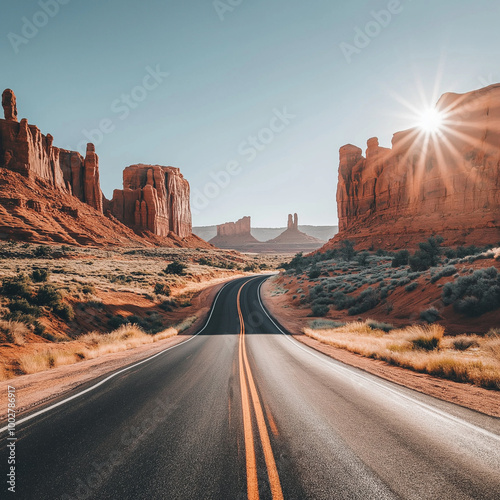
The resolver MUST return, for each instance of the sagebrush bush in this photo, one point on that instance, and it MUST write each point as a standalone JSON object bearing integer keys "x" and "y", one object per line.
{"x": 366, "y": 300}
{"x": 18, "y": 287}
{"x": 319, "y": 310}
{"x": 445, "y": 271}
{"x": 411, "y": 286}
{"x": 379, "y": 325}
{"x": 430, "y": 315}
{"x": 474, "y": 294}
{"x": 40, "y": 275}
{"x": 176, "y": 267}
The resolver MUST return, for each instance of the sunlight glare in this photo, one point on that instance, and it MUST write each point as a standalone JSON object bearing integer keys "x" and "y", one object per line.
{"x": 431, "y": 121}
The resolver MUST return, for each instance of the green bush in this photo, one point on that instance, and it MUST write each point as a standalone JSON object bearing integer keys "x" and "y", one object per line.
{"x": 319, "y": 310}
{"x": 40, "y": 275}
{"x": 49, "y": 296}
{"x": 430, "y": 315}
{"x": 363, "y": 258}
{"x": 401, "y": 258}
{"x": 445, "y": 271}
{"x": 314, "y": 272}
{"x": 379, "y": 325}
{"x": 426, "y": 343}
{"x": 411, "y": 286}
{"x": 176, "y": 267}
{"x": 42, "y": 251}
{"x": 162, "y": 289}
{"x": 24, "y": 307}
{"x": 367, "y": 299}
{"x": 428, "y": 255}
{"x": 64, "y": 311}
{"x": 17, "y": 287}
{"x": 475, "y": 294}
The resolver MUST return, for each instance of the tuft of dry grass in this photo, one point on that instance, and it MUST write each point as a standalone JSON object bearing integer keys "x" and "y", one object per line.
{"x": 96, "y": 344}
{"x": 13, "y": 332}
{"x": 479, "y": 366}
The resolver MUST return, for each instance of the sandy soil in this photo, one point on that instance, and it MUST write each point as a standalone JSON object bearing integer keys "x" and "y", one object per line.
{"x": 469, "y": 396}
{"x": 35, "y": 389}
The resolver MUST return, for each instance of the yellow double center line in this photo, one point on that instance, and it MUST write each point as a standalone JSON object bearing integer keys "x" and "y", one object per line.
{"x": 251, "y": 463}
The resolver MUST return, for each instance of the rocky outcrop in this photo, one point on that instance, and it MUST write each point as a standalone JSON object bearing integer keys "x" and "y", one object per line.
{"x": 446, "y": 183}
{"x": 239, "y": 228}
{"x": 9, "y": 105}
{"x": 155, "y": 199}
{"x": 234, "y": 234}
{"x": 294, "y": 240}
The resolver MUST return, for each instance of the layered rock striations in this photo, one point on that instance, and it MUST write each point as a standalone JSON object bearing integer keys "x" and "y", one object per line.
{"x": 154, "y": 199}
{"x": 445, "y": 183}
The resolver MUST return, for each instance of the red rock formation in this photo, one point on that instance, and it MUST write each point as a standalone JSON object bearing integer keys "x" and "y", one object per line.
{"x": 234, "y": 235}
{"x": 9, "y": 105}
{"x": 155, "y": 199}
{"x": 294, "y": 239}
{"x": 239, "y": 228}
{"x": 447, "y": 183}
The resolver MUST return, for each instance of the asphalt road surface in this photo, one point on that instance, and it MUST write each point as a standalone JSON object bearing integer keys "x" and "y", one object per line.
{"x": 242, "y": 410}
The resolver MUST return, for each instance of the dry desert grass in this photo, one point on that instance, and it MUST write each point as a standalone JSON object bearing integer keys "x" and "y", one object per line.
{"x": 94, "y": 344}
{"x": 468, "y": 358}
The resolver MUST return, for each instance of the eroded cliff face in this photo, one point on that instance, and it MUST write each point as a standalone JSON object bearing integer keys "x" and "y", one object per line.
{"x": 25, "y": 150}
{"x": 154, "y": 198}
{"x": 234, "y": 234}
{"x": 445, "y": 183}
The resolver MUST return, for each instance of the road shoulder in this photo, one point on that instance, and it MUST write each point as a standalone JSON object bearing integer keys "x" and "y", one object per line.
{"x": 466, "y": 395}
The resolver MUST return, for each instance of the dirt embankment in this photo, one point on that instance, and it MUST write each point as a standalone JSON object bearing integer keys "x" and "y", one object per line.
{"x": 295, "y": 320}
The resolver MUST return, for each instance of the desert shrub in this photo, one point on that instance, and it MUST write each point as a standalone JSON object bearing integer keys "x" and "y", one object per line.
{"x": 49, "y": 296}
{"x": 176, "y": 267}
{"x": 474, "y": 294}
{"x": 347, "y": 251}
{"x": 445, "y": 271}
{"x": 64, "y": 311}
{"x": 40, "y": 275}
{"x": 430, "y": 315}
{"x": 162, "y": 289}
{"x": 16, "y": 287}
{"x": 88, "y": 289}
{"x": 342, "y": 300}
{"x": 425, "y": 344}
{"x": 24, "y": 307}
{"x": 401, "y": 258}
{"x": 116, "y": 322}
{"x": 325, "y": 324}
{"x": 411, "y": 286}
{"x": 314, "y": 272}
{"x": 367, "y": 299}
{"x": 463, "y": 343}
{"x": 379, "y": 325}
{"x": 251, "y": 268}
{"x": 363, "y": 258}
{"x": 42, "y": 251}
{"x": 428, "y": 255}
{"x": 319, "y": 310}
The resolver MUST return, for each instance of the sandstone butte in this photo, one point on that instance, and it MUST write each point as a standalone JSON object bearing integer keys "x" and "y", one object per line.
{"x": 234, "y": 234}
{"x": 446, "y": 184}
{"x": 49, "y": 194}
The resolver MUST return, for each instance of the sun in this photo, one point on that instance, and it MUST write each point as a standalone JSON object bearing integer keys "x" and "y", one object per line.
{"x": 431, "y": 121}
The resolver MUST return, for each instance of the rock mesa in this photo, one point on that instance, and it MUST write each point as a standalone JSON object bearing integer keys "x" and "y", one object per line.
{"x": 445, "y": 183}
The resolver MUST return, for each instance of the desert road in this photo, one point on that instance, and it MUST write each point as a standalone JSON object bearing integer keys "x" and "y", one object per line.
{"x": 242, "y": 410}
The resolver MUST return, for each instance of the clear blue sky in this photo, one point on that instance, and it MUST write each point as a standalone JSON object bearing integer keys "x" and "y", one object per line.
{"x": 230, "y": 73}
